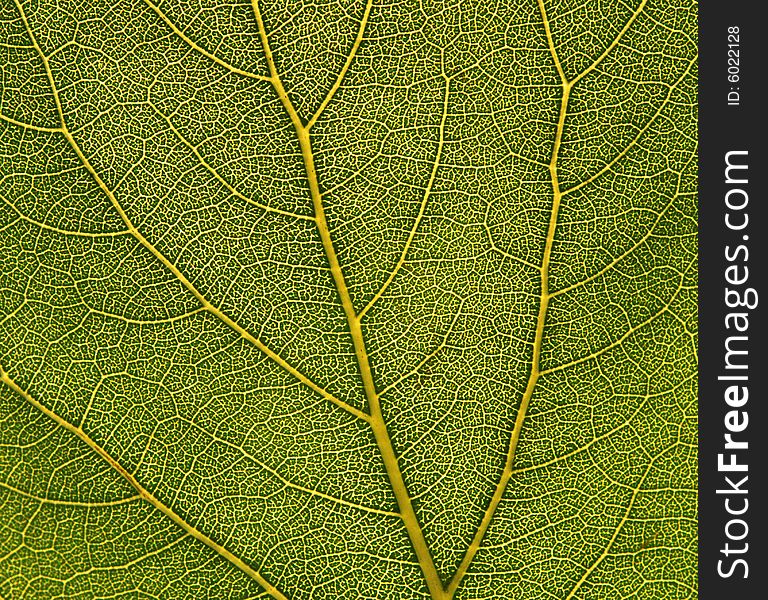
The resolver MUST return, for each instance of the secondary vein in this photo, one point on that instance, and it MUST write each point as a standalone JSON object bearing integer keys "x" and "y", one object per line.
{"x": 544, "y": 298}
{"x": 345, "y": 68}
{"x": 200, "y": 49}
{"x": 422, "y": 206}
{"x": 143, "y": 492}
{"x": 232, "y": 189}
{"x": 616, "y": 531}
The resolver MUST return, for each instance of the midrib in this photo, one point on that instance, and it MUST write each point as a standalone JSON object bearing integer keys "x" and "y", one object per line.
{"x": 378, "y": 425}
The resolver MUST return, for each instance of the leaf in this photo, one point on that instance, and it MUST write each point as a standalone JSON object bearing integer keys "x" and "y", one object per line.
{"x": 348, "y": 300}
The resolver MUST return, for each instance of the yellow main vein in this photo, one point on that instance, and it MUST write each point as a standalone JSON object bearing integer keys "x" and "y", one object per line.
{"x": 506, "y": 474}
{"x": 144, "y": 493}
{"x": 208, "y": 306}
{"x": 376, "y": 420}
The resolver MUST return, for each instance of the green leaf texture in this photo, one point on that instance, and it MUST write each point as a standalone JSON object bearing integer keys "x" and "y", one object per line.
{"x": 319, "y": 300}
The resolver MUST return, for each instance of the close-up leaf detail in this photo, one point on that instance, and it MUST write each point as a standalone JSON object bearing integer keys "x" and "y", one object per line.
{"x": 348, "y": 299}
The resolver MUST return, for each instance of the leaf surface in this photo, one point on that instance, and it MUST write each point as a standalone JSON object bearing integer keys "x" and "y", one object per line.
{"x": 347, "y": 300}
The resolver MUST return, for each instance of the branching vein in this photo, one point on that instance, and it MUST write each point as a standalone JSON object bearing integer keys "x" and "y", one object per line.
{"x": 422, "y": 206}
{"x": 206, "y": 304}
{"x": 372, "y": 413}
{"x": 506, "y": 474}
{"x": 200, "y": 49}
{"x": 143, "y": 492}
{"x": 378, "y": 425}
{"x": 345, "y": 68}
{"x": 233, "y": 190}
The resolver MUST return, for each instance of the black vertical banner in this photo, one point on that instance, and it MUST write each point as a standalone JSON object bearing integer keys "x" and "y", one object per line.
{"x": 733, "y": 425}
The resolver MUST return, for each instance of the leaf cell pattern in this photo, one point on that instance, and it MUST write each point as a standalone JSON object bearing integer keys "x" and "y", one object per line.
{"x": 348, "y": 299}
